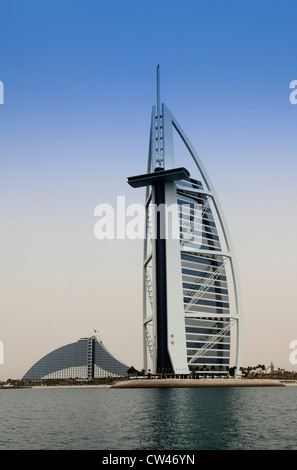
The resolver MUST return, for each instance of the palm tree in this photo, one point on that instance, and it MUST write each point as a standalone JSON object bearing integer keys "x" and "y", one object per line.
{"x": 193, "y": 369}
{"x": 132, "y": 371}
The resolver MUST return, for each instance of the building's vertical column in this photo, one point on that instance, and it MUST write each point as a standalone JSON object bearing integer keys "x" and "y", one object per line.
{"x": 176, "y": 341}
{"x": 163, "y": 360}
{"x": 91, "y": 357}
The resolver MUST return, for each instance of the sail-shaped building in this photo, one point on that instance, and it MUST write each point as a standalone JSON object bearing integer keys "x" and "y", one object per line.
{"x": 192, "y": 317}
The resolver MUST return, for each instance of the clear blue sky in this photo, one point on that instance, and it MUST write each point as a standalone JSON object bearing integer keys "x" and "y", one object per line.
{"x": 79, "y": 83}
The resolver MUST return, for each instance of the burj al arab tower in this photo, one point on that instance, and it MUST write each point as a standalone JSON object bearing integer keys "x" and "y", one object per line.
{"x": 192, "y": 317}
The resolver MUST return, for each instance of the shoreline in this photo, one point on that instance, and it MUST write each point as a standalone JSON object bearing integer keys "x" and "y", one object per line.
{"x": 44, "y": 387}
{"x": 196, "y": 383}
{"x": 170, "y": 383}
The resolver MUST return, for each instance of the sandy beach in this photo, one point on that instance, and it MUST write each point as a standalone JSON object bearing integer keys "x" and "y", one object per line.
{"x": 186, "y": 383}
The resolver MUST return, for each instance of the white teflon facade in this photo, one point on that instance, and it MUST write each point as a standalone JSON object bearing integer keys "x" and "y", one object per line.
{"x": 203, "y": 301}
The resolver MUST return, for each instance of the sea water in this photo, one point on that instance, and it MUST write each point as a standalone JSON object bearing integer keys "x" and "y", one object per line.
{"x": 148, "y": 419}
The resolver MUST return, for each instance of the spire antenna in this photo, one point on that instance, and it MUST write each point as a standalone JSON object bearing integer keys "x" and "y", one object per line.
{"x": 159, "y": 135}
{"x": 158, "y": 91}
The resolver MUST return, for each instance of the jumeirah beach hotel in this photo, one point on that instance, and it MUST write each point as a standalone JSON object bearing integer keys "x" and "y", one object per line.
{"x": 192, "y": 317}
{"x": 85, "y": 359}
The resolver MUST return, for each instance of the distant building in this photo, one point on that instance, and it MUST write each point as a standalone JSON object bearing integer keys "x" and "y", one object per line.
{"x": 87, "y": 358}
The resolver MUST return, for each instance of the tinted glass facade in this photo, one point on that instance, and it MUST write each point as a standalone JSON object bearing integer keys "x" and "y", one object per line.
{"x": 85, "y": 359}
{"x": 205, "y": 290}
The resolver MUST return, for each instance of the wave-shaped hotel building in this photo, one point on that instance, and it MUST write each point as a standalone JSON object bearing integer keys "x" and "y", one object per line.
{"x": 87, "y": 359}
{"x": 191, "y": 301}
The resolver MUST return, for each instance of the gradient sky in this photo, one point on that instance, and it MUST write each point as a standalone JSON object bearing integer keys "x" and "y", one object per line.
{"x": 79, "y": 83}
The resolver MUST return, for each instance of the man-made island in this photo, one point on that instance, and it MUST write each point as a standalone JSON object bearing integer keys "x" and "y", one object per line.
{"x": 189, "y": 383}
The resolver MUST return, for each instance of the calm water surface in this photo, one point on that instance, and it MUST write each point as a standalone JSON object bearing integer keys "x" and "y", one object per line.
{"x": 149, "y": 419}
